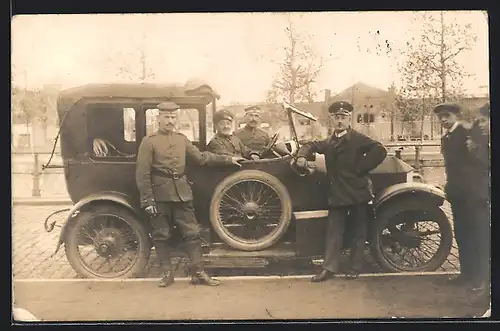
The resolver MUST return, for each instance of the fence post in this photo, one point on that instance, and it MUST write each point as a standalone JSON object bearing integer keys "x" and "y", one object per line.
{"x": 36, "y": 177}
{"x": 417, "y": 158}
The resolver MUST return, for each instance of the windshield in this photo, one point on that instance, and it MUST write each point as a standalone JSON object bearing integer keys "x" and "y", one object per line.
{"x": 295, "y": 110}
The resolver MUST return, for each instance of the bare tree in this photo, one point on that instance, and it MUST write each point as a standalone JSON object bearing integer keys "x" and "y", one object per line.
{"x": 133, "y": 64}
{"x": 430, "y": 70}
{"x": 299, "y": 69}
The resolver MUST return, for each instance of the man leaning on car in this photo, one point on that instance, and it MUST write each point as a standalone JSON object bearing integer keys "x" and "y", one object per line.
{"x": 349, "y": 157}
{"x": 166, "y": 194}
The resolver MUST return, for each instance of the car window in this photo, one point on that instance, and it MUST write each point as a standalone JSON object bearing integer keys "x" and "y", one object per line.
{"x": 187, "y": 122}
{"x": 111, "y": 129}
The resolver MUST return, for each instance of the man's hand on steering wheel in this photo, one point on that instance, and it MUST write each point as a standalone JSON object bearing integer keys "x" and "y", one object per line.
{"x": 270, "y": 145}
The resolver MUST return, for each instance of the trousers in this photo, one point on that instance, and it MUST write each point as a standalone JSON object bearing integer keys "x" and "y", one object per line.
{"x": 335, "y": 236}
{"x": 182, "y": 215}
{"x": 471, "y": 222}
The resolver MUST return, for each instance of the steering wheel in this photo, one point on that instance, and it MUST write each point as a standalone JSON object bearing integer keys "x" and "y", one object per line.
{"x": 270, "y": 145}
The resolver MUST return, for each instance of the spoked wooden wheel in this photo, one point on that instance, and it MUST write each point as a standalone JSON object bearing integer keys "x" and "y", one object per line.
{"x": 411, "y": 238}
{"x": 250, "y": 210}
{"x": 108, "y": 242}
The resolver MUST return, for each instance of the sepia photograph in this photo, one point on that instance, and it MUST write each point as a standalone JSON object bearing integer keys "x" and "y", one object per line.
{"x": 250, "y": 166}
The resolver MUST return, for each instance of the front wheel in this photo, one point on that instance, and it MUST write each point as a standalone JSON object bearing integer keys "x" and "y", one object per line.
{"x": 107, "y": 242}
{"x": 408, "y": 236}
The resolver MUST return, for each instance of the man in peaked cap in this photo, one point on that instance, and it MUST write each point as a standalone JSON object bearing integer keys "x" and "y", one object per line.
{"x": 467, "y": 189}
{"x": 166, "y": 194}
{"x": 349, "y": 156}
{"x": 251, "y": 135}
{"x": 224, "y": 143}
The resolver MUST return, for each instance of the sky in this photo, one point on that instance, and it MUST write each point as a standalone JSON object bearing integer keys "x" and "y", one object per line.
{"x": 236, "y": 53}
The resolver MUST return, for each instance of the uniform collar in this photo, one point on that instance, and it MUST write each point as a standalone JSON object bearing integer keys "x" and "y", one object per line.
{"x": 223, "y": 136}
{"x": 340, "y": 134}
{"x": 453, "y": 127}
{"x": 251, "y": 129}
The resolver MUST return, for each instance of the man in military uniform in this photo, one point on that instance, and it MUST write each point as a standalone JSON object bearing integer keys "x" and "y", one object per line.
{"x": 224, "y": 143}
{"x": 467, "y": 189}
{"x": 166, "y": 194}
{"x": 349, "y": 157}
{"x": 251, "y": 135}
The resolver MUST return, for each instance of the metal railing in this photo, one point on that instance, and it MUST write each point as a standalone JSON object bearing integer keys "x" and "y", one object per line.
{"x": 415, "y": 160}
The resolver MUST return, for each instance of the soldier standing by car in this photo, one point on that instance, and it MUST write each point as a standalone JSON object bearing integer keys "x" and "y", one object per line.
{"x": 224, "y": 142}
{"x": 166, "y": 194}
{"x": 349, "y": 157}
{"x": 466, "y": 162}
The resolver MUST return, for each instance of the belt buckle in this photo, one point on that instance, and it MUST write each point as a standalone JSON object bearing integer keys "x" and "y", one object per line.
{"x": 175, "y": 176}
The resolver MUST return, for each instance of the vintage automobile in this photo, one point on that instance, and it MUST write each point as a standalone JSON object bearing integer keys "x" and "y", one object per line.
{"x": 268, "y": 209}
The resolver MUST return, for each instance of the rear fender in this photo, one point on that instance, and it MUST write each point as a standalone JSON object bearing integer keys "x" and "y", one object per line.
{"x": 106, "y": 196}
{"x": 426, "y": 193}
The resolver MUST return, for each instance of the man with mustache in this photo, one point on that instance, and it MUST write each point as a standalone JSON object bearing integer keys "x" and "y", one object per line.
{"x": 224, "y": 143}
{"x": 349, "y": 156}
{"x": 166, "y": 194}
{"x": 466, "y": 161}
{"x": 251, "y": 135}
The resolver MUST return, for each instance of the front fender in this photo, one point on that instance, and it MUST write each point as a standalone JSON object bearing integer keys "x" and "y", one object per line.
{"x": 111, "y": 196}
{"x": 414, "y": 189}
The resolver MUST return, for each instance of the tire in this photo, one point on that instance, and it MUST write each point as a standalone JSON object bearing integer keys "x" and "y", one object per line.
{"x": 265, "y": 181}
{"x": 409, "y": 209}
{"x": 128, "y": 222}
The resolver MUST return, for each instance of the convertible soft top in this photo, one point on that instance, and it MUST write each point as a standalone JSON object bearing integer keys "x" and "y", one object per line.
{"x": 69, "y": 97}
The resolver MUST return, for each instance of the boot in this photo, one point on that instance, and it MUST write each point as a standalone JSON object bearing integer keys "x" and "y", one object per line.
{"x": 167, "y": 279}
{"x": 199, "y": 276}
{"x": 163, "y": 255}
{"x": 322, "y": 276}
{"x": 202, "y": 278}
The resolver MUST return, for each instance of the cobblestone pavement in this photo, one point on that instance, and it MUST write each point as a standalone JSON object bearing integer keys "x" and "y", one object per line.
{"x": 32, "y": 248}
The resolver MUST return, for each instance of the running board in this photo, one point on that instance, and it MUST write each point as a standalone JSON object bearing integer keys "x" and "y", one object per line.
{"x": 310, "y": 214}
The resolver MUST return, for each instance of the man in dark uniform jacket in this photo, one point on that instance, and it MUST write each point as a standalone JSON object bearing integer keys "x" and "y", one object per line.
{"x": 467, "y": 189}
{"x": 225, "y": 143}
{"x": 251, "y": 135}
{"x": 166, "y": 194}
{"x": 349, "y": 157}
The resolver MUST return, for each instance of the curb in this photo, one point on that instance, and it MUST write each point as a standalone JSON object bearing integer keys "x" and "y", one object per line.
{"x": 185, "y": 279}
{"x": 41, "y": 202}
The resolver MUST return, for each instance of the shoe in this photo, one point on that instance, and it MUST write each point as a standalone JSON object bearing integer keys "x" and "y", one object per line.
{"x": 352, "y": 274}
{"x": 322, "y": 276}
{"x": 202, "y": 278}
{"x": 167, "y": 279}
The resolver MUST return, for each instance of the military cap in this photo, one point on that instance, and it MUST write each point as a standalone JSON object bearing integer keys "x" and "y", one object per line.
{"x": 340, "y": 107}
{"x": 448, "y": 107}
{"x": 223, "y": 114}
{"x": 252, "y": 109}
{"x": 168, "y": 106}
{"x": 485, "y": 110}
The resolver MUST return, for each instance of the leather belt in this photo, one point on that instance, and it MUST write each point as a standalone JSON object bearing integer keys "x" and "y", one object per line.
{"x": 173, "y": 175}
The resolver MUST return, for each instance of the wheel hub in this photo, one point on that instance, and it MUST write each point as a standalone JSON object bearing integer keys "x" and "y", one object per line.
{"x": 109, "y": 241}
{"x": 251, "y": 210}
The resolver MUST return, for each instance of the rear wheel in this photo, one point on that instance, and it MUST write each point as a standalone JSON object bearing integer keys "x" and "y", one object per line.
{"x": 250, "y": 210}
{"x": 107, "y": 242}
{"x": 409, "y": 236}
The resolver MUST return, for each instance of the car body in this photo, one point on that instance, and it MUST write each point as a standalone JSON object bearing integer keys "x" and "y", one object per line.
{"x": 113, "y": 119}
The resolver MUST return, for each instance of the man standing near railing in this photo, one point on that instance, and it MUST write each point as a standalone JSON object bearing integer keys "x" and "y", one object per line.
{"x": 467, "y": 189}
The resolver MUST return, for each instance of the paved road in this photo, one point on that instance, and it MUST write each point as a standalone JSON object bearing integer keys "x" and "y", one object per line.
{"x": 380, "y": 297}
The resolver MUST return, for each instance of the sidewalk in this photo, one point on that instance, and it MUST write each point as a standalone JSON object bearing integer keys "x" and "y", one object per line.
{"x": 263, "y": 298}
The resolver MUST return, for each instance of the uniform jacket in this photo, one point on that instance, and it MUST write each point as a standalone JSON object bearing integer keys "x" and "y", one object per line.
{"x": 348, "y": 159}
{"x": 229, "y": 145}
{"x": 255, "y": 139}
{"x": 161, "y": 162}
{"x": 467, "y": 171}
